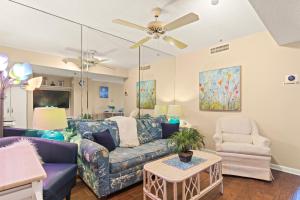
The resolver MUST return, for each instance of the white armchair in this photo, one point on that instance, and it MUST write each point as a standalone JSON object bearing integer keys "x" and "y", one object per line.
{"x": 243, "y": 150}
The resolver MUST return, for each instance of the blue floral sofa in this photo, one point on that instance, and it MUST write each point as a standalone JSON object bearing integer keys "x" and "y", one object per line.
{"x": 107, "y": 172}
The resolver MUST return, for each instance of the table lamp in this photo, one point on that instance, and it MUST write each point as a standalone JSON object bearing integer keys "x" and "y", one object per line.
{"x": 52, "y": 120}
{"x": 160, "y": 110}
{"x": 174, "y": 113}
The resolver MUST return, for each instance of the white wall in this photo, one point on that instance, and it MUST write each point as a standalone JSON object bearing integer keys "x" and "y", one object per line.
{"x": 275, "y": 107}
{"x": 163, "y": 71}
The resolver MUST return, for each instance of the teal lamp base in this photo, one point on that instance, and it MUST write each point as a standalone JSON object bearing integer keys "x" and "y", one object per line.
{"x": 174, "y": 120}
{"x": 53, "y": 135}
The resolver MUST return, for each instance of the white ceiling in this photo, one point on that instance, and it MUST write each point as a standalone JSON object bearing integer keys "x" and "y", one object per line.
{"x": 28, "y": 29}
{"x": 282, "y": 18}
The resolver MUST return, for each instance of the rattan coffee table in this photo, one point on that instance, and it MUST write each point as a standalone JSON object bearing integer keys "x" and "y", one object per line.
{"x": 161, "y": 181}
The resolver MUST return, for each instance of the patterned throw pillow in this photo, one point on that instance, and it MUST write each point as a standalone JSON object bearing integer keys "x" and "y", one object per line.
{"x": 87, "y": 128}
{"x": 143, "y": 135}
{"x": 149, "y": 129}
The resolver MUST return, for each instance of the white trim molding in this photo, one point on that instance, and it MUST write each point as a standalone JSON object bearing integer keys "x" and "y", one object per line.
{"x": 286, "y": 169}
{"x": 273, "y": 166}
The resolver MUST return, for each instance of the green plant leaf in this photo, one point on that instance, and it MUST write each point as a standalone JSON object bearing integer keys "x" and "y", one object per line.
{"x": 186, "y": 139}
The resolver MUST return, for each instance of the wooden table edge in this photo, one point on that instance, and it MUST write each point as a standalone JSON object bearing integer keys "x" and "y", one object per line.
{"x": 22, "y": 183}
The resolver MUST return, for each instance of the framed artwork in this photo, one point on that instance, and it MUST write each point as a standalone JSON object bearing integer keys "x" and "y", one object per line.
{"x": 220, "y": 89}
{"x": 103, "y": 92}
{"x": 147, "y": 93}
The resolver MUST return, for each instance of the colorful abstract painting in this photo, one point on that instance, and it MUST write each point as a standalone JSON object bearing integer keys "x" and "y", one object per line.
{"x": 147, "y": 93}
{"x": 220, "y": 89}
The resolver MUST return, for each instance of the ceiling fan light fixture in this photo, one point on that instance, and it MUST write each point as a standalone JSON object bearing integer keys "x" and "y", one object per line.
{"x": 156, "y": 29}
{"x": 156, "y": 36}
{"x": 156, "y": 12}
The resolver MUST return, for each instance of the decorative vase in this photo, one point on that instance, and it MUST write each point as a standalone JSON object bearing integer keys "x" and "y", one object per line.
{"x": 174, "y": 120}
{"x": 185, "y": 156}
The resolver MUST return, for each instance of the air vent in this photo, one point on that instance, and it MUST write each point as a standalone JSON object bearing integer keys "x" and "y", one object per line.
{"x": 146, "y": 67}
{"x": 218, "y": 49}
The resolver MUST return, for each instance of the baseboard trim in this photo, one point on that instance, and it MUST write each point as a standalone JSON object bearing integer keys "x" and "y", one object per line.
{"x": 286, "y": 169}
{"x": 273, "y": 166}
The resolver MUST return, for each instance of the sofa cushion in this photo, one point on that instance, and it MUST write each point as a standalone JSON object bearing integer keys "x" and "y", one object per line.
{"x": 104, "y": 138}
{"x": 236, "y": 125}
{"x": 124, "y": 158}
{"x": 237, "y": 138}
{"x": 168, "y": 129}
{"x": 243, "y": 148}
{"x": 87, "y": 128}
{"x": 59, "y": 177}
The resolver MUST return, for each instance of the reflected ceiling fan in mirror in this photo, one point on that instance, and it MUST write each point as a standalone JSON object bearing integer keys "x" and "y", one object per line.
{"x": 157, "y": 29}
{"x": 91, "y": 58}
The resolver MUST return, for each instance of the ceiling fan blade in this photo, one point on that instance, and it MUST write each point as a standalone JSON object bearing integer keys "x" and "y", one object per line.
{"x": 129, "y": 24}
{"x": 141, "y": 42}
{"x": 182, "y": 21}
{"x": 103, "y": 60}
{"x": 105, "y": 53}
{"x": 174, "y": 42}
{"x": 72, "y": 60}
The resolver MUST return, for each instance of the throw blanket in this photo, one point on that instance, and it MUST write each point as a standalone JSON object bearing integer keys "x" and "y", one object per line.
{"x": 127, "y": 131}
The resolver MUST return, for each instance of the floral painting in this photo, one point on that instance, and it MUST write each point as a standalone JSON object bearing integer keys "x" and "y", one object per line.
{"x": 220, "y": 89}
{"x": 147, "y": 93}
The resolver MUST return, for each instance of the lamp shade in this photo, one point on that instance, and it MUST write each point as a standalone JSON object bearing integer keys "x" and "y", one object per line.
{"x": 49, "y": 118}
{"x": 20, "y": 71}
{"x": 174, "y": 111}
{"x": 160, "y": 110}
{"x": 34, "y": 83}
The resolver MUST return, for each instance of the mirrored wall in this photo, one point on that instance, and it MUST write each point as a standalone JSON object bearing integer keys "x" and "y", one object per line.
{"x": 90, "y": 73}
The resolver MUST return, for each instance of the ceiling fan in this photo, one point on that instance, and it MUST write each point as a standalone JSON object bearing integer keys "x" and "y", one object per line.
{"x": 157, "y": 29}
{"x": 91, "y": 58}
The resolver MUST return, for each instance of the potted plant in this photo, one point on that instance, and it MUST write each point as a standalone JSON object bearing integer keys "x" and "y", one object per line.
{"x": 86, "y": 116}
{"x": 186, "y": 140}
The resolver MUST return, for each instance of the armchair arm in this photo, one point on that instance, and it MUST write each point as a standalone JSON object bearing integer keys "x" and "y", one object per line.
{"x": 93, "y": 152}
{"x": 95, "y": 160}
{"x": 261, "y": 141}
{"x": 258, "y": 139}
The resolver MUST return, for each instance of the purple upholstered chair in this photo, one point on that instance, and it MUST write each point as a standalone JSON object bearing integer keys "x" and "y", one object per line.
{"x": 60, "y": 164}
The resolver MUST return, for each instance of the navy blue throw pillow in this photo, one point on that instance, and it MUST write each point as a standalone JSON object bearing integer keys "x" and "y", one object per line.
{"x": 105, "y": 139}
{"x": 169, "y": 129}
